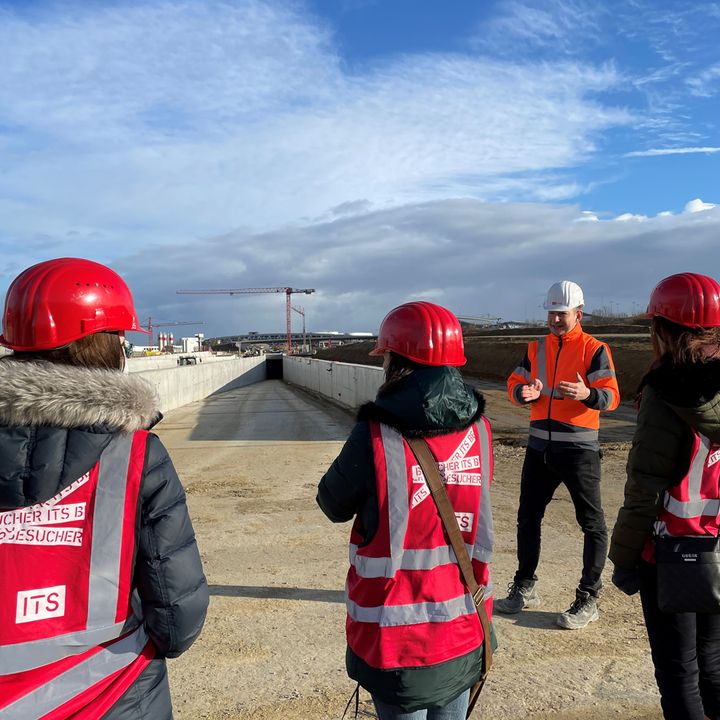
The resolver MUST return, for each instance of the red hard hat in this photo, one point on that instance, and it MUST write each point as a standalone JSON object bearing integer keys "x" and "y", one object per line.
{"x": 688, "y": 299}
{"x": 421, "y": 331}
{"x": 55, "y": 302}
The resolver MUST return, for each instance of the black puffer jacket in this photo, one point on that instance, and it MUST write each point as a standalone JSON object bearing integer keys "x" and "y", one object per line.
{"x": 676, "y": 399}
{"x": 431, "y": 401}
{"x": 55, "y": 421}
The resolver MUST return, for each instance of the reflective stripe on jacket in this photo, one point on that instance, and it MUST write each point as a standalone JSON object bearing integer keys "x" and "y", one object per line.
{"x": 407, "y": 605}
{"x": 691, "y": 507}
{"x": 70, "y": 641}
{"x": 566, "y": 423}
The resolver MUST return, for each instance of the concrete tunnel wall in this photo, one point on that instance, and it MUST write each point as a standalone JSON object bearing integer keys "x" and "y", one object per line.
{"x": 160, "y": 362}
{"x": 347, "y": 384}
{"x": 179, "y": 385}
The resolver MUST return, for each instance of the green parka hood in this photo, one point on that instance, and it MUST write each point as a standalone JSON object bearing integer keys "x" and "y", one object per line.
{"x": 430, "y": 401}
{"x": 692, "y": 390}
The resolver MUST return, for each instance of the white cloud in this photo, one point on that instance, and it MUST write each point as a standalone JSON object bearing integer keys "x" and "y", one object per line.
{"x": 660, "y": 48}
{"x": 697, "y": 205}
{"x": 149, "y": 122}
{"x": 655, "y": 152}
{"x": 705, "y": 84}
{"x": 526, "y": 25}
{"x": 161, "y": 69}
{"x": 630, "y": 217}
{"x": 475, "y": 257}
{"x": 587, "y": 216}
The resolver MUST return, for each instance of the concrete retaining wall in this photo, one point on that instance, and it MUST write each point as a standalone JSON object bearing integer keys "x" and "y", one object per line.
{"x": 346, "y": 384}
{"x": 159, "y": 362}
{"x": 180, "y": 385}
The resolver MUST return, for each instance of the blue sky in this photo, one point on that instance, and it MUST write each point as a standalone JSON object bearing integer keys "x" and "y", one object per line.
{"x": 378, "y": 151}
{"x": 665, "y": 56}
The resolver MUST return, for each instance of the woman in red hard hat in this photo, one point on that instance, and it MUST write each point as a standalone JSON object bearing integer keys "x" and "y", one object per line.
{"x": 101, "y": 576}
{"x": 414, "y": 638}
{"x": 673, "y": 486}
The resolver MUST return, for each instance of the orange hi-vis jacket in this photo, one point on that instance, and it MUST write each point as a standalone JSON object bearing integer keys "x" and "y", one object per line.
{"x": 553, "y": 419}
{"x": 407, "y": 603}
{"x": 692, "y": 506}
{"x": 71, "y": 642}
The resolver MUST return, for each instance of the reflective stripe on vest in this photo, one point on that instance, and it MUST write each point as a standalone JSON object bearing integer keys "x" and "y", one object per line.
{"x": 413, "y": 614}
{"x": 105, "y": 558}
{"x": 599, "y": 374}
{"x": 579, "y": 435}
{"x": 605, "y": 398}
{"x": 423, "y": 559}
{"x": 523, "y": 373}
{"x": 541, "y": 364}
{"x": 63, "y": 688}
{"x": 397, "y": 495}
{"x": 104, "y": 566}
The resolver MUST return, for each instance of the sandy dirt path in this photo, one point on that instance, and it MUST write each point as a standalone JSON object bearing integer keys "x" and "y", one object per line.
{"x": 273, "y": 645}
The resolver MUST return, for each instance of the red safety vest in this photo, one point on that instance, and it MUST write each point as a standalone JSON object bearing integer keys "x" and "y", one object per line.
{"x": 71, "y": 642}
{"x": 692, "y": 506}
{"x": 407, "y": 604}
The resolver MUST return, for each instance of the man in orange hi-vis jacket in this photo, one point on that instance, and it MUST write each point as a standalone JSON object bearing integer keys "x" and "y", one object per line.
{"x": 567, "y": 378}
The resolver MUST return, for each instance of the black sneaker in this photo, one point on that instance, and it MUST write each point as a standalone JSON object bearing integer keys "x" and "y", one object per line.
{"x": 580, "y": 614}
{"x": 518, "y": 598}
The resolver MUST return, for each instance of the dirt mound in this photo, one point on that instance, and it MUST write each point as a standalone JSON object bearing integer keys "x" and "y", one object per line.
{"x": 641, "y": 327}
{"x": 495, "y": 359}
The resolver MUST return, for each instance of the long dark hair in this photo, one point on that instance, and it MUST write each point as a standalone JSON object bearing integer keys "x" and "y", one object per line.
{"x": 680, "y": 345}
{"x": 398, "y": 368}
{"x": 100, "y": 351}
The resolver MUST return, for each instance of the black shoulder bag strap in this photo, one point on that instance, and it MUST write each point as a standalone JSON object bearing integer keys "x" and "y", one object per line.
{"x": 428, "y": 464}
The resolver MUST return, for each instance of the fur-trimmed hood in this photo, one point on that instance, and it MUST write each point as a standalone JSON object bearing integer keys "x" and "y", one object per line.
{"x": 55, "y": 421}
{"x": 40, "y": 393}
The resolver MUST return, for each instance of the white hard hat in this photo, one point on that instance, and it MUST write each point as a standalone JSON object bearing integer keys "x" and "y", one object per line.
{"x": 564, "y": 295}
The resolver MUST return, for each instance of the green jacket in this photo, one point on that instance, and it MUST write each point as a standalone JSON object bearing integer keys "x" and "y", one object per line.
{"x": 676, "y": 399}
{"x": 430, "y": 401}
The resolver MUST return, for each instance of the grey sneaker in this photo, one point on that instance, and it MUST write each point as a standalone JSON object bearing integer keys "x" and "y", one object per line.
{"x": 518, "y": 598}
{"x": 581, "y": 613}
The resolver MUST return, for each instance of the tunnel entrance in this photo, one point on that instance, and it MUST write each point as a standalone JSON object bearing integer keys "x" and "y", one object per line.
{"x": 274, "y": 368}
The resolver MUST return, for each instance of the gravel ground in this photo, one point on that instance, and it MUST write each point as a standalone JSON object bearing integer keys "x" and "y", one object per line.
{"x": 273, "y": 645}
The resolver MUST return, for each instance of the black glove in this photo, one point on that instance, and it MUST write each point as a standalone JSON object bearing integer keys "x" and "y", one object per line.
{"x": 626, "y": 580}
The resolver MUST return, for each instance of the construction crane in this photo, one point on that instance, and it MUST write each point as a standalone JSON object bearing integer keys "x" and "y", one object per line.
{"x": 301, "y": 311}
{"x": 151, "y": 324}
{"x": 289, "y": 291}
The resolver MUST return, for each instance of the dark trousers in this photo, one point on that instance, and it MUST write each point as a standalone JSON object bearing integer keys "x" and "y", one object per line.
{"x": 686, "y": 654}
{"x": 542, "y": 473}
